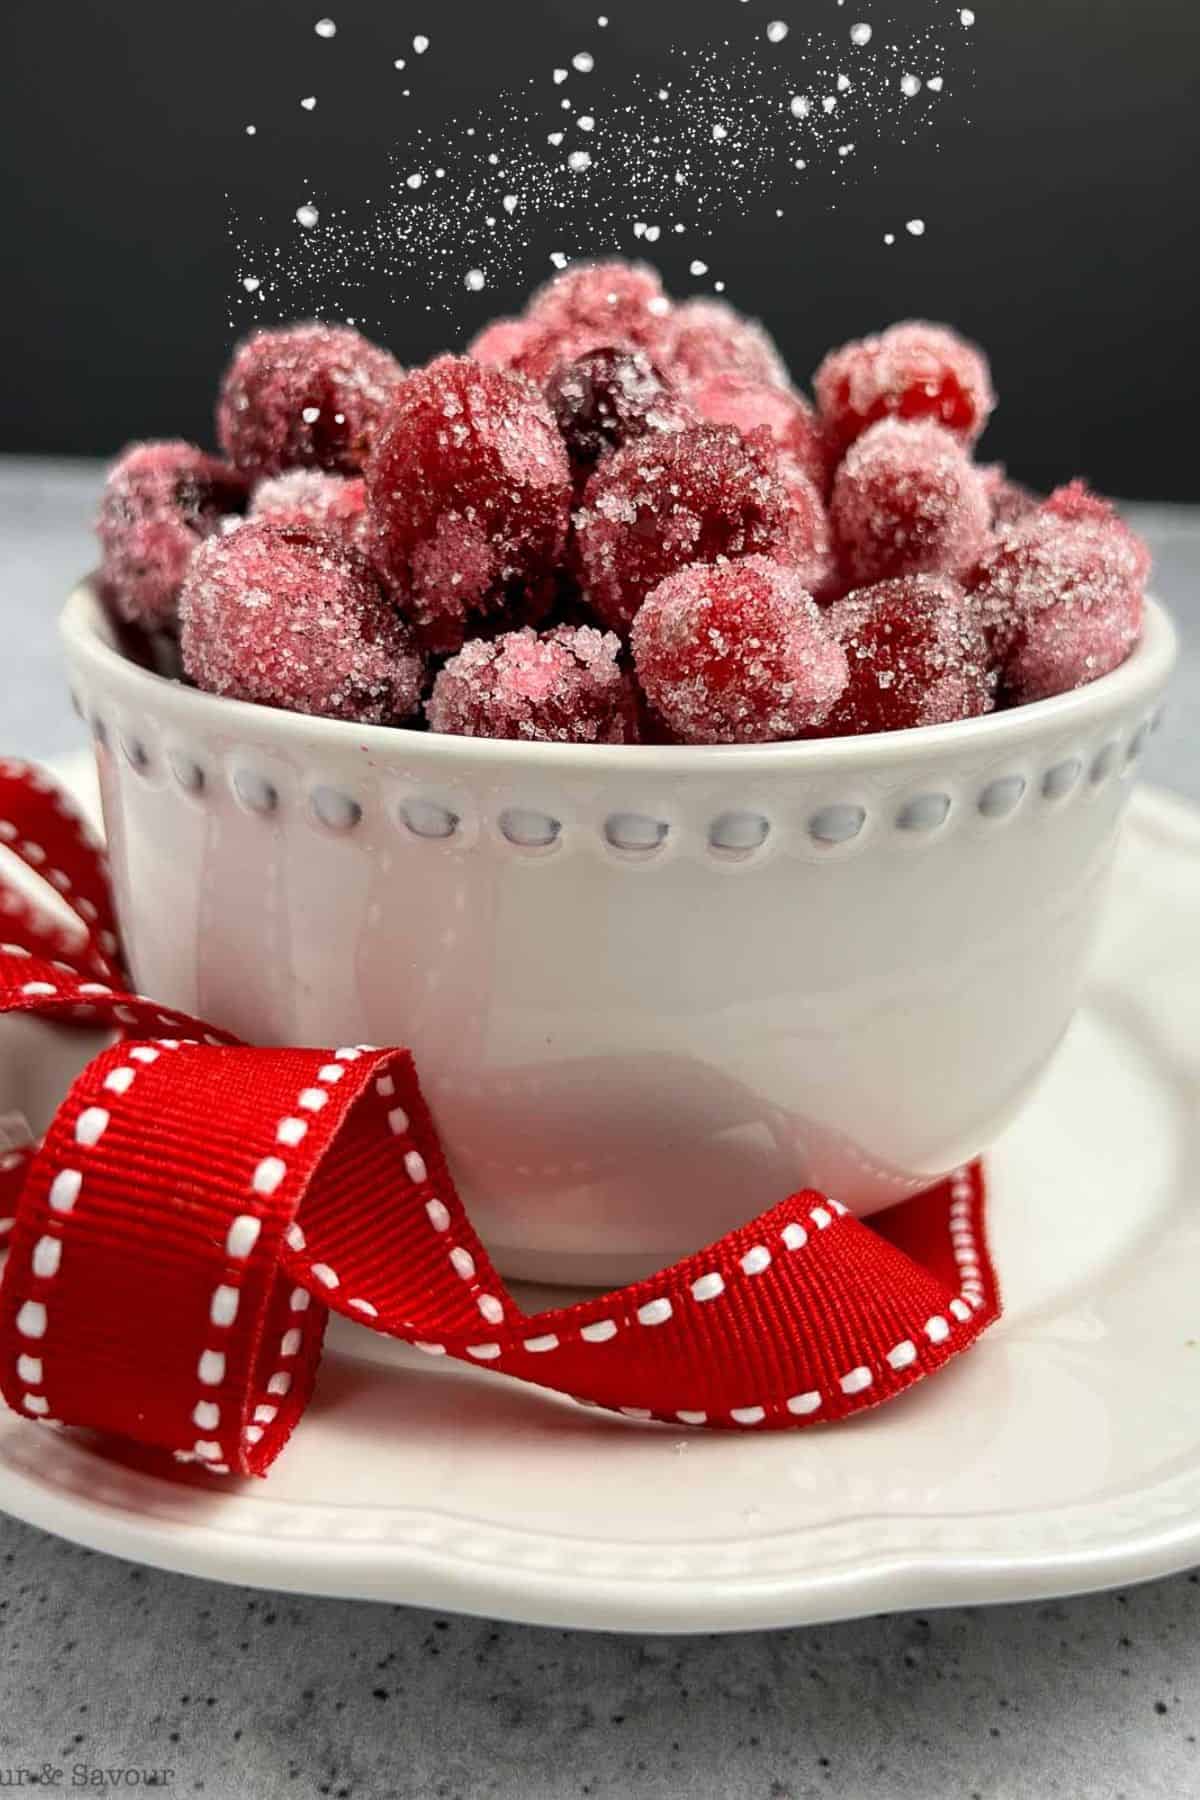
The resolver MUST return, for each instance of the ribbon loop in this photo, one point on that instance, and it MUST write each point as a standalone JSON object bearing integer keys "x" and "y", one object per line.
{"x": 41, "y": 827}
{"x": 197, "y": 1207}
{"x": 144, "y": 1292}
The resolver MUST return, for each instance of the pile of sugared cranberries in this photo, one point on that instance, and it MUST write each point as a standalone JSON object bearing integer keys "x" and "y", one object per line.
{"x": 614, "y": 520}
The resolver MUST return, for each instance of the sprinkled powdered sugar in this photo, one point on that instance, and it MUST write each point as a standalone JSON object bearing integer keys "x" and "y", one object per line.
{"x": 676, "y": 498}
{"x": 907, "y": 501}
{"x": 674, "y": 148}
{"x": 563, "y": 687}
{"x": 469, "y": 490}
{"x": 737, "y": 654}
{"x": 290, "y": 616}
{"x": 304, "y": 396}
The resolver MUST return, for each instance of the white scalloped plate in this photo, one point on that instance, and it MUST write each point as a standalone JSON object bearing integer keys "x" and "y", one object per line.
{"x": 1062, "y": 1454}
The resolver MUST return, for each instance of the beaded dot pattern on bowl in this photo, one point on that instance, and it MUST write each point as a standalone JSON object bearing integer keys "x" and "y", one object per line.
{"x": 736, "y": 834}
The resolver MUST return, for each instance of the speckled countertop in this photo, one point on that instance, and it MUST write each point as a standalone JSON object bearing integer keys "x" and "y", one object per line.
{"x": 108, "y": 1670}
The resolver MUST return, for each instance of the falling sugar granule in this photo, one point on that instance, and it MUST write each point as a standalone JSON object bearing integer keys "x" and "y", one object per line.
{"x": 325, "y": 28}
{"x": 702, "y": 140}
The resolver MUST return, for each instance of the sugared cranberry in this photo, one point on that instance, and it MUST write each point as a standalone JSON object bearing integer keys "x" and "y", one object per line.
{"x": 810, "y": 548}
{"x": 607, "y": 397}
{"x": 907, "y": 501}
{"x": 596, "y": 306}
{"x": 750, "y": 406}
{"x": 535, "y": 351}
{"x": 616, "y": 302}
{"x": 304, "y": 396}
{"x": 563, "y": 687}
{"x": 290, "y": 616}
{"x": 159, "y": 502}
{"x": 652, "y": 728}
{"x": 311, "y": 497}
{"x": 917, "y": 655}
{"x": 1008, "y": 500}
{"x": 705, "y": 338}
{"x": 532, "y": 349}
{"x": 1060, "y": 593}
{"x": 503, "y": 343}
{"x": 662, "y": 502}
{"x": 1076, "y": 504}
{"x": 1063, "y": 648}
{"x": 911, "y": 371}
{"x": 468, "y": 491}
{"x": 737, "y": 654}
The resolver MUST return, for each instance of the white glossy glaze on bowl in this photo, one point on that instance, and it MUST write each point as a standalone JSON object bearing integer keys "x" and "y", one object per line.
{"x": 650, "y": 990}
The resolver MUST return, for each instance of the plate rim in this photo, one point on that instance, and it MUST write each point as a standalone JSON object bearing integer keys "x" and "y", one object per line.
{"x": 877, "y": 1581}
{"x": 1153, "y": 1529}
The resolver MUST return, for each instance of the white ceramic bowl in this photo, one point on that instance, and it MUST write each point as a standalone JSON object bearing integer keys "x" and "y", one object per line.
{"x": 650, "y": 990}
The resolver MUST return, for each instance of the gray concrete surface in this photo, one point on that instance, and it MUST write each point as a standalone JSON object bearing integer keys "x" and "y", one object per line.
{"x": 246, "y": 1696}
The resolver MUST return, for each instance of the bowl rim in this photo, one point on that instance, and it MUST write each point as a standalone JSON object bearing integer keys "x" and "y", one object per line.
{"x": 88, "y": 637}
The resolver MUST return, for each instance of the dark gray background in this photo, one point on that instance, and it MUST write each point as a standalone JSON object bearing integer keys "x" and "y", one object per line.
{"x": 1058, "y": 195}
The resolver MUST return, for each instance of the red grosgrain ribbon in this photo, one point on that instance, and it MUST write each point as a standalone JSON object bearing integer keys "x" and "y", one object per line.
{"x": 198, "y": 1207}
